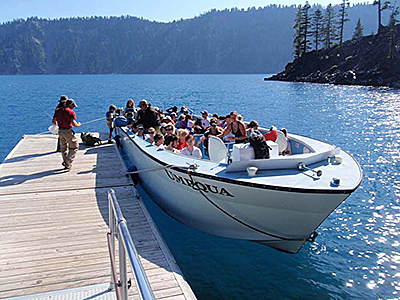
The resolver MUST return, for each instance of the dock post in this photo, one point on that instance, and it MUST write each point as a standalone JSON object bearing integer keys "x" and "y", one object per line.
{"x": 111, "y": 225}
{"x": 122, "y": 268}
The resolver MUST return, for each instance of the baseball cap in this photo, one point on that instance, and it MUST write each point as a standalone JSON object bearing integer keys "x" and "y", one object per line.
{"x": 204, "y": 112}
{"x": 213, "y": 122}
{"x": 71, "y": 101}
{"x": 140, "y": 126}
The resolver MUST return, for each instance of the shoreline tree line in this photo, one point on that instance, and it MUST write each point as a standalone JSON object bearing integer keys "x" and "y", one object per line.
{"x": 324, "y": 28}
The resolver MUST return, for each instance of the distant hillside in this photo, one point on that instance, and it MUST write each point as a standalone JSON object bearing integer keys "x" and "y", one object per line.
{"x": 228, "y": 41}
{"x": 371, "y": 60}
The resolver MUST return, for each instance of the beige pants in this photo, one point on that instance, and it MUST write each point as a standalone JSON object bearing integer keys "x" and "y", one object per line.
{"x": 69, "y": 145}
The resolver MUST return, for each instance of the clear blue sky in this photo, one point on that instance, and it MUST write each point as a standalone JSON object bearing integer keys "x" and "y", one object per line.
{"x": 160, "y": 10}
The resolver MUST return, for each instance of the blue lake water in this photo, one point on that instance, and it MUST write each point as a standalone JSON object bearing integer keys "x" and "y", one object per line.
{"x": 356, "y": 255}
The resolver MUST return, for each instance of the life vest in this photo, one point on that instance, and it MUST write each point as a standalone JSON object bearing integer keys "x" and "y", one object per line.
{"x": 110, "y": 116}
{"x": 130, "y": 113}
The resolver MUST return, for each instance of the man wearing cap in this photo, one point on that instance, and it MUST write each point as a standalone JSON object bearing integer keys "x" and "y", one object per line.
{"x": 140, "y": 132}
{"x": 65, "y": 118}
{"x": 61, "y": 103}
{"x": 147, "y": 117}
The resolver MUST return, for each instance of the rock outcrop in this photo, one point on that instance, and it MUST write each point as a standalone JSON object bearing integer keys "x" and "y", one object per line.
{"x": 372, "y": 60}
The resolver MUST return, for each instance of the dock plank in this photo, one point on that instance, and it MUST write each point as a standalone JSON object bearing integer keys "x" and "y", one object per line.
{"x": 53, "y": 223}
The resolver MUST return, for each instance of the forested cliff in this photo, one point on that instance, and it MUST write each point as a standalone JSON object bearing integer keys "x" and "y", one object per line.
{"x": 256, "y": 40}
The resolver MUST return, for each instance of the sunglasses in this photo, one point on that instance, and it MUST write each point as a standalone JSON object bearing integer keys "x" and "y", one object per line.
{"x": 169, "y": 129}
{"x": 152, "y": 132}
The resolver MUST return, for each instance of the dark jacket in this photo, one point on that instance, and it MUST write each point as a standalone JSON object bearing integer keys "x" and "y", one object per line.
{"x": 147, "y": 118}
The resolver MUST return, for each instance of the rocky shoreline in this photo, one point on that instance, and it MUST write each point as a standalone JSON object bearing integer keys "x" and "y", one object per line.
{"x": 365, "y": 61}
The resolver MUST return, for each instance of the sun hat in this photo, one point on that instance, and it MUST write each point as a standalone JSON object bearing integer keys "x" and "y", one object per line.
{"x": 63, "y": 98}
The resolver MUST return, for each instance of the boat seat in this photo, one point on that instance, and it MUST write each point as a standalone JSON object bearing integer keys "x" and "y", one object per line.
{"x": 281, "y": 140}
{"x": 217, "y": 150}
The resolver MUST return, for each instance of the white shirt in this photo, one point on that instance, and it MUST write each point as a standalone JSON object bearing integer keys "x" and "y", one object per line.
{"x": 190, "y": 124}
{"x": 196, "y": 152}
{"x": 205, "y": 123}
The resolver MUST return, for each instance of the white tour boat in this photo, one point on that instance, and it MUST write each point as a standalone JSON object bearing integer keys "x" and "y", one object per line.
{"x": 278, "y": 202}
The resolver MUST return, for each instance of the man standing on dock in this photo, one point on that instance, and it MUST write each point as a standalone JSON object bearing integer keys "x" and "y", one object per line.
{"x": 65, "y": 118}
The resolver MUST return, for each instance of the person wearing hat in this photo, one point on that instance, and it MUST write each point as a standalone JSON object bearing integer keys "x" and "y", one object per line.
{"x": 147, "y": 117}
{"x": 61, "y": 103}
{"x": 212, "y": 130}
{"x": 140, "y": 132}
{"x": 65, "y": 119}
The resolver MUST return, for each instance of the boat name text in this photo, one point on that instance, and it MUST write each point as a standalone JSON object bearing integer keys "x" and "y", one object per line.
{"x": 198, "y": 186}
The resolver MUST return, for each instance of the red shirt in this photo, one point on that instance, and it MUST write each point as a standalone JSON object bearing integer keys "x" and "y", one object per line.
{"x": 64, "y": 117}
{"x": 271, "y": 136}
{"x": 181, "y": 145}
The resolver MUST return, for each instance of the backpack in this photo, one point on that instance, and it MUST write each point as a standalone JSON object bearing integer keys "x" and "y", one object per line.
{"x": 121, "y": 121}
{"x": 89, "y": 140}
{"x": 260, "y": 146}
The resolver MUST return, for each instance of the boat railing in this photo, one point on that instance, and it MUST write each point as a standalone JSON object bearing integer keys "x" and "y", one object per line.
{"x": 119, "y": 230}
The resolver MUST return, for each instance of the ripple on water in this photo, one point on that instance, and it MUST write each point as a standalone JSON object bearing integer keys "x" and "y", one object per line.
{"x": 356, "y": 255}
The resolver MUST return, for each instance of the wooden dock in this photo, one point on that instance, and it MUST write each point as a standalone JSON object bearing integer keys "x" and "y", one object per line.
{"x": 54, "y": 223}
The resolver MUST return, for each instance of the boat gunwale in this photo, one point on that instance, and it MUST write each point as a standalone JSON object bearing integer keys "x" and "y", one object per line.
{"x": 250, "y": 184}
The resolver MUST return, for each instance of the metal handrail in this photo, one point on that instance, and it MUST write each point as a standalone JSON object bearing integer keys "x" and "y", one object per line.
{"x": 117, "y": 224}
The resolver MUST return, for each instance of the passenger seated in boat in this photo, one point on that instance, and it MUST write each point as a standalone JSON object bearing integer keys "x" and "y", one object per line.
{"x": 173, "y": 117}
{"x": 253, "y": 125}
{"x": 184, "y": 111}
{"x": 159, "y": 140}
{"x": 237, "y": 128}
{"x": 288, "y": 149}
{"x": 272, "y": 134}
{"x": 191, "y": 149}
{"x": 182, "y": 134}
{"x": 197, "y": 128}
{"x": 162, "y": 128}
{"x": 212, "y": 130}
{"x": 150, "y": 136}
{"x": 171, "y": 142}
{"x": 170, "y": 129}
{"x": 168, "y": 120}
{"x": 226, "y": 121}
{"x": 205, "y": 120}
{"x": 140, "y": 132}
{"x": 187, "y": 123}
{"x": 180, "y": 119}
{"x": 173, "y": 109}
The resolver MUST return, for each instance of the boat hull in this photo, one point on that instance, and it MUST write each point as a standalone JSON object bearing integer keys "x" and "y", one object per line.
{"x": 277, "y": 218}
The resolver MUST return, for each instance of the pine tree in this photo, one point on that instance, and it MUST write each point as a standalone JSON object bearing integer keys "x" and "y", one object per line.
{"x": 330, "y": 35}
{"x": 392, "y": 31}
{"x": 317, "y": 28}
{"x": 305, "y": 22}
{"x": 386, "y": 5}
{"x": 359, "y": 30}
{"x": 343, "y": 19}
{"x": 298, "y": 36}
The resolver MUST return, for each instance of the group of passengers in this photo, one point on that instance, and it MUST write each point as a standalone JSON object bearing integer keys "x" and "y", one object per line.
{"x": 174, "y": 129}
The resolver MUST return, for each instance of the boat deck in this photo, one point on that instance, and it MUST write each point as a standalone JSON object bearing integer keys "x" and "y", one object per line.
{"x": 54, "y": 224}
